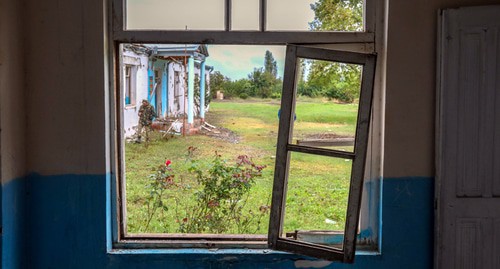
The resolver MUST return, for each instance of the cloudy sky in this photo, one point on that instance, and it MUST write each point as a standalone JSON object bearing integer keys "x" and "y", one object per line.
{"x": 233, "y": 61}
{"x": 237, "y": 62}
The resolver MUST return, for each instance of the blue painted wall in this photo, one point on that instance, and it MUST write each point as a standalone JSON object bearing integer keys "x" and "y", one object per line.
{"x": 14, "y": 198}
{"x": 65, "y": 224}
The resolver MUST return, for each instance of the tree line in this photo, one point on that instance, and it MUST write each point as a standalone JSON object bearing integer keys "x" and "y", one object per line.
{"x": 316, "y": 78}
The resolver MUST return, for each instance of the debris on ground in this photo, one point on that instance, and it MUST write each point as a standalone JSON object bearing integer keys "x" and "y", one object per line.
{"x": 219, "y": 133}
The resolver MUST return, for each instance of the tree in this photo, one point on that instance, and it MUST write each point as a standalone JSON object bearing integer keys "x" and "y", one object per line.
{"x": 218, "y": 82}
{"x": 261, "y": 83}
{"x": 270, "y": 65}
{"x": 337, "y": 15}
{"x": 335, "y": 80}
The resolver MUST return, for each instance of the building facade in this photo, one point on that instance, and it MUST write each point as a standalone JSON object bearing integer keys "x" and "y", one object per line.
{"x": 173, "y": 78}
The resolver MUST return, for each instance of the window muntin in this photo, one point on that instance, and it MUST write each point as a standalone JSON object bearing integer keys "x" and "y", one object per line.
{"x": 277, "y": 237}
{"x": 120, "y": 35}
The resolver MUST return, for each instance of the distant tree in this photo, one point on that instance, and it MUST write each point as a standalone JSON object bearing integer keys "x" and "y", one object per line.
{"x": 335, "y": 80}
{"x": 218, "y": 82}
{"x": 270, "y": 65}
{"x": 238, "y": 88}
{"x": 261, "y": 83}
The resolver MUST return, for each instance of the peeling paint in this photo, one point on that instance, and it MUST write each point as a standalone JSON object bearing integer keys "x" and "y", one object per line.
{"x": 311, "y": 264}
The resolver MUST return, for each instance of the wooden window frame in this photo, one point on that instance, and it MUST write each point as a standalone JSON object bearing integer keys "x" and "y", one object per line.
{"x": 120, "y": 35}
{"x": 285, "y": 146}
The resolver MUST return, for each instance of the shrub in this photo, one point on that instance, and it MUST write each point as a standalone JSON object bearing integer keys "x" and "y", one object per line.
{"x": 219, "y": 203}
{"x": 243, "y": 95}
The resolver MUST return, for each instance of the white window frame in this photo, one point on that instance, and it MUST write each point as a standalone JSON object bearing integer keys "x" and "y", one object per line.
{"x": 119, "y": 35}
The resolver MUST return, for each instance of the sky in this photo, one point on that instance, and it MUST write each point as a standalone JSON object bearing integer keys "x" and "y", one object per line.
{"x": 235, "y": 62}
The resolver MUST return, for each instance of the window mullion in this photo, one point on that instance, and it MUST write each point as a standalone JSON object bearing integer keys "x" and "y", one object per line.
{"x": 263, "y": 15}
{"x": 228, "y": 15}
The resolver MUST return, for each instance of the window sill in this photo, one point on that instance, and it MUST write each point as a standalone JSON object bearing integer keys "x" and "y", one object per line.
{"x": 200, "y": 251}
{"x": 128, "y": 107}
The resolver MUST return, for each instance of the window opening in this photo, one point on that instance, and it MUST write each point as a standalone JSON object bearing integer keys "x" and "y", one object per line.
{"x": 172, "y": 81}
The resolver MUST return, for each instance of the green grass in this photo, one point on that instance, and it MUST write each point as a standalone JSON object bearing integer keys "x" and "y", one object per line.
{"x": 318, "y": 186}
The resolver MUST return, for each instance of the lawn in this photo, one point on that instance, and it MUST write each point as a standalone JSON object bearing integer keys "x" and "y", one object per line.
{"x": 317, "y": 189}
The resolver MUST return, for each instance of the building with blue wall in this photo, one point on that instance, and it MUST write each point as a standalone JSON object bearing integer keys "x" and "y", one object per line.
{"x": 165, "y": 75}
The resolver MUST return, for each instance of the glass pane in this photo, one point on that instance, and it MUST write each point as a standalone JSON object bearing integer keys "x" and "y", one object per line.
{"x": 175, "y": 14}
{"x": 212, "y": 175}
{"x": 245, "y": 15}
{"x": 316, "y": 199}
{"x": 327, "y": 108}
{"x": 312, "y": 15}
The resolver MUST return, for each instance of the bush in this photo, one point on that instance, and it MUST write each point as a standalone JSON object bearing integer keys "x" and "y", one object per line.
{"x": 217, "y": 205}
{"x": 243, "y": 95}
{"x": 222, "y": 197}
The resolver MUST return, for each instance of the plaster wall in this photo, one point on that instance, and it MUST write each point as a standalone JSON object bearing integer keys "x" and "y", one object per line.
{"x": 12, "y": 114}
{"x": 411, "y": 85}
{"x": 65, "y": 87}
{"x": 12, "y": 135}
{"x": 131, "y": 113}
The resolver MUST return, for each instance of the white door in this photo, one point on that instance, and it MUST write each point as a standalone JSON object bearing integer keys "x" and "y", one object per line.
{"x": 468, "y": 139}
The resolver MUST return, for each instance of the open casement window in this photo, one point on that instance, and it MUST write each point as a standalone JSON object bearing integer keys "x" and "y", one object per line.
{"x": 290, "y": 241}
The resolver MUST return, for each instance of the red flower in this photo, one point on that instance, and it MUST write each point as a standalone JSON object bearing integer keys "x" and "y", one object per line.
{"x": 167, "y": 162}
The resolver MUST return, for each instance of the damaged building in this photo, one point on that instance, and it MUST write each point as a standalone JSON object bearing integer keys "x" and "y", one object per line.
{"x": 174, "y": 79}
